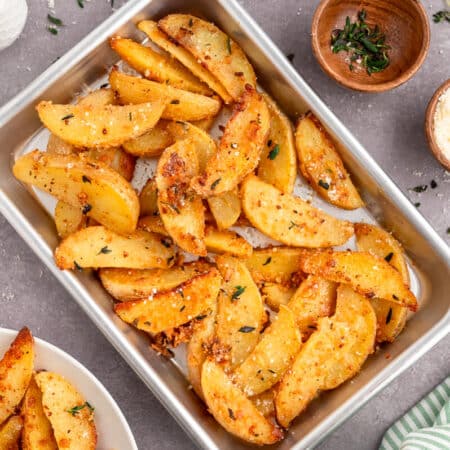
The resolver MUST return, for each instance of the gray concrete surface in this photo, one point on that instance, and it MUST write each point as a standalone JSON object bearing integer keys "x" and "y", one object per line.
{"x": 390, "y": 125}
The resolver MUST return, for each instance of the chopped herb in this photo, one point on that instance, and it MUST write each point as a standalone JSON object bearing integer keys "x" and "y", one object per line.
{"x": 112, "y": 3}
{"x": 324, "y": 184}
{"x": 201, "y": 317}
{"x": 271, "y": 371}
{"x": 239, "y": 290}
{"x": 130, "y": 116}
{"x": 135, "y": 322}
{"x": 440, "y": 16}
{"x": 394, "y": 297}
{"x": 170, "y": 259}
{"x": 52, "y": 30}
{"x": 214, "y": 185}
{"x": 389, "y": 256}
{"x": 312, "y": 327}
{"x": 104, "y": 85}
{"x": 166, "y": 242}
{"x": 231, "y": 414}
{"x": 80, "y": 3}
{"x": 173, "y": 207}
{"x": 417, "y": 204}
{"x": 86, "y": 208}
{"x": 69, "y": 116}
{"x": 54, "y": 20}
{"x": 182, "y": 308}
{"x": 246, "y": 329}
{"x": 175, "y": 101}
{"x": 180, "y": 291}
{"x": 419, "y": 188}
{"x": 448, "y": 230}
{"x": 389, "y": 316}
{"x": 76, "y": 409}
{"x": 191, "y": 22}
{"x": 147, "y": 323}
{"x": 292, "y": 225}
{"x": 267, "y": 261}
{"x": 274, "y": 152}
{"x": 433, "y": 184}
{"x": 269, "y": 143}
{"x": 104, "y": 250}
{"x": 77, "y": 266}
{"x": 229, "y": 45}
{"x": 85, "y": 179}
{"x": 290, "y": 57}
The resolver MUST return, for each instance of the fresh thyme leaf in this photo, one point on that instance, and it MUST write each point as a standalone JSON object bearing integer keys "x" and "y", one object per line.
{"x": 86, "y": 208}
{"x": 239, "y": 290}
{"x": 76, "y": 409}
{"x": 268, "y": 260}
{"x": 54, "y": 20}
{"x": 104, "y": 250}
{"x": 214, "y": 185}
{"x": 80, "y": 3}
{"x": 86, "y": 179}
{"x": 290, "y": 57}
{"x": 417, "y": 204}
{"x": 448, "y": 230}
{"x": 52, "y": 30}
{"x": 419, "y": 188}
{"x": 77, "y": 266}
{"x": 389, "y": 316}
{"x": 388, "y": 257}
{"x": 274, "y": 152}
{"x": 324, "y": 184}
{"x": 130, "y": 116}
{"x": 229, "y": 45}
{"x": 112, "y": 3}
{"x": 246, "y": 329}
{"x": 191, "y": 22}
{"x": 292, "y": 225}
{"x": 69, "y": 116}
{"x": 175, "y": 101}
{"x": 231, "y": 414}
{"x": 433, "y": 184}
{"x": 441, "y": 16}
{"x": 182, "y": 308}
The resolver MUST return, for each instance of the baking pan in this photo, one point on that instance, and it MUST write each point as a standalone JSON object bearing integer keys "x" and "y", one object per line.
{"x": 85, "y": 65}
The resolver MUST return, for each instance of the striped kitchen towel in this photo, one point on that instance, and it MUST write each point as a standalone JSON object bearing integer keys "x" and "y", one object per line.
{"x": 426, "y": 426}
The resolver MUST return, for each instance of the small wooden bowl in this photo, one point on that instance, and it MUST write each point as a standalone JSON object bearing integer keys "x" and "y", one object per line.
{"x": 407, "y": 30}
{"x": 429, "y": 125}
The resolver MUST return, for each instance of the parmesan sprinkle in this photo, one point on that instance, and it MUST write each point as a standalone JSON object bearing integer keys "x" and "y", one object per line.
{"x": 442, "y": 123}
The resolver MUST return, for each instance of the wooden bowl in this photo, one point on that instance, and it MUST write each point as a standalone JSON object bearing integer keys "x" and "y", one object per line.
{"x": 429, "y": 125}
{"x": 407, "y": 30}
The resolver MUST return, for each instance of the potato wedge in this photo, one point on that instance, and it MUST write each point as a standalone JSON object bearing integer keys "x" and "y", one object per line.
{"x": 107, "y": 126}
{"x": 148, "y": 199}
{"x": 37, "y": 430}
{"x": 68, "y": 219}
{"x": 161, "y": 39}
{"x": 99, "y": 247}
{"x": 129, "y": 284}
{"x": 157, "y": 66}
{"x": 264, "y": 402}
{"x": 391, "y": 317}
{"x": 180, "y": 208}
{"x": 57, "y": 146}
{"x": 153, "y": 224}
{"x": 79, "y": 181}
{"x": 272, "y": 356}
{"x": 224, "y": 241}
{"x": 276, "y": 265}
{"x": 332, "y": 355}
{"x": 240, "y": 313}
{"x": 278, "y": 163}
{"x": 290, "y": 219}
{"x": 97, "y": 98}
{"x": 152, "y": 143}
{"x": 315, "y": 298}
{"x": 116, "y": 158}
{"x": 181, "y": 105}
{"x": 367, "y": 274}
{"x": 16, "y": 369}
{"x": 275, "y": 295}
{"x": 233, "y": 410}
{"x": 239, "y": 148}
{"x": 204, "y": 124}
{"x": 225, "y": 208}
{"x": 216, "y": 51}
{"x": 322, "y": 166}
{"x": 169, "y": 309}
{"x": 10, "y": 433}
{"x": 71, "y": 416}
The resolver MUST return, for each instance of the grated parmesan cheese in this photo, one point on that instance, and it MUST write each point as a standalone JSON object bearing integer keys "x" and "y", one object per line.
{"x": 442, "y": 123}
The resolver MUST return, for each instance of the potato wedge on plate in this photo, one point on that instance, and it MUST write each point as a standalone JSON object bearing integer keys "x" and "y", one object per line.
{"x": 37, "y": 430}
{"x": 216, "y": 51}
{"x": 278, "y": 163}
{"x": 290, "y": 219}
{"x": 233, "y": 410}
{"x": 99, "y": 190}
{"x": 275, "y": 295}
{"x": 148, "y": 199}
{"x": 181, "y": 209}
{"x": 225, "y": 241}
{"x": 239, "y": 148}
{"x": 157, "y": 66}
{"x": 129, "y": 284}
{"x": 71, "y": 416}
{"x": 322, "y": 166}
{"x": 391, "y": 317}
{"x": 332, "y": 355}
{"x": 225, "y": 208}
{"x": 16, "y": 369}
{"x": 107, "y": 126}
{"x": 97, "y": 246}
{"x": 180, "y": 104}
{"x": 367, "y": 274}
{"x": 272, "y": 356}
{"x": 161, "y": 39}
{"x": 240, "y": 313}
{"x": 169, "y": 309}
{"x": 10, "y": 433}
{"x": 68, "y": 219}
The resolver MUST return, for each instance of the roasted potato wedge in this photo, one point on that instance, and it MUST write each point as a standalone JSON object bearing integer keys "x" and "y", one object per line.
{"x": 181, "y": 105}
{"x": 57, "y": 146}
{"x": 114, "y": 157}
{"x": 180, "y": 208}
{"x": 37, "y": 430}
{"x": 97, "y": 98}
{"x": 240, "y": 313}
{"x": 391, "y": 317}
{"x": 332, "y": 355}
{"x": 16, "y": 369}
{"x": 169, "y": 309}
{"x": 213, "y": 49}
{"x": 239, "y": 148}
{"x": 278, "y": 163}
{"x": 148, "y": 199}
{"x": 233, "y": 410}
{"x": 322, "y": 166}
{"x": 10, "y": 433}
{"x": 70, "y": 415}
{"x": 290, "y": 219}
{"x": 79, "y": 181}
{"x": 275, "y": 294}
{"x": 315, "y": 298}
{"x": 129, "y": 284}
{"x": 272, "y": 356}
{"x": 264, "y": 402}
{"x": 107, "y": 126}
{"x": 99, "y": 247}
{"x": 204, "y": 124}
{"x": 68, "y": 219}
{"x": 157, "y": 66}
{"x": 225, "y": 241}
{"x": 225, "y": 208}
{"x": 184, "y": 57}
{"x": 367, "y": 274}
{"x": 153, "y": 224}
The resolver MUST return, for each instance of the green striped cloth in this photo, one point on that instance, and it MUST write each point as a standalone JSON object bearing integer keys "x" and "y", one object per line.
{"x": 424, "y": 427}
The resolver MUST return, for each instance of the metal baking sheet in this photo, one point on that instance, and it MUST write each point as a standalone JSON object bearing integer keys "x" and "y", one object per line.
{"x": 429, "y": 257}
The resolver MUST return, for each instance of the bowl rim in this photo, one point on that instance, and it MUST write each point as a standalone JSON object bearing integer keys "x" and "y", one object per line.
{"x": 349, "y": 82}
